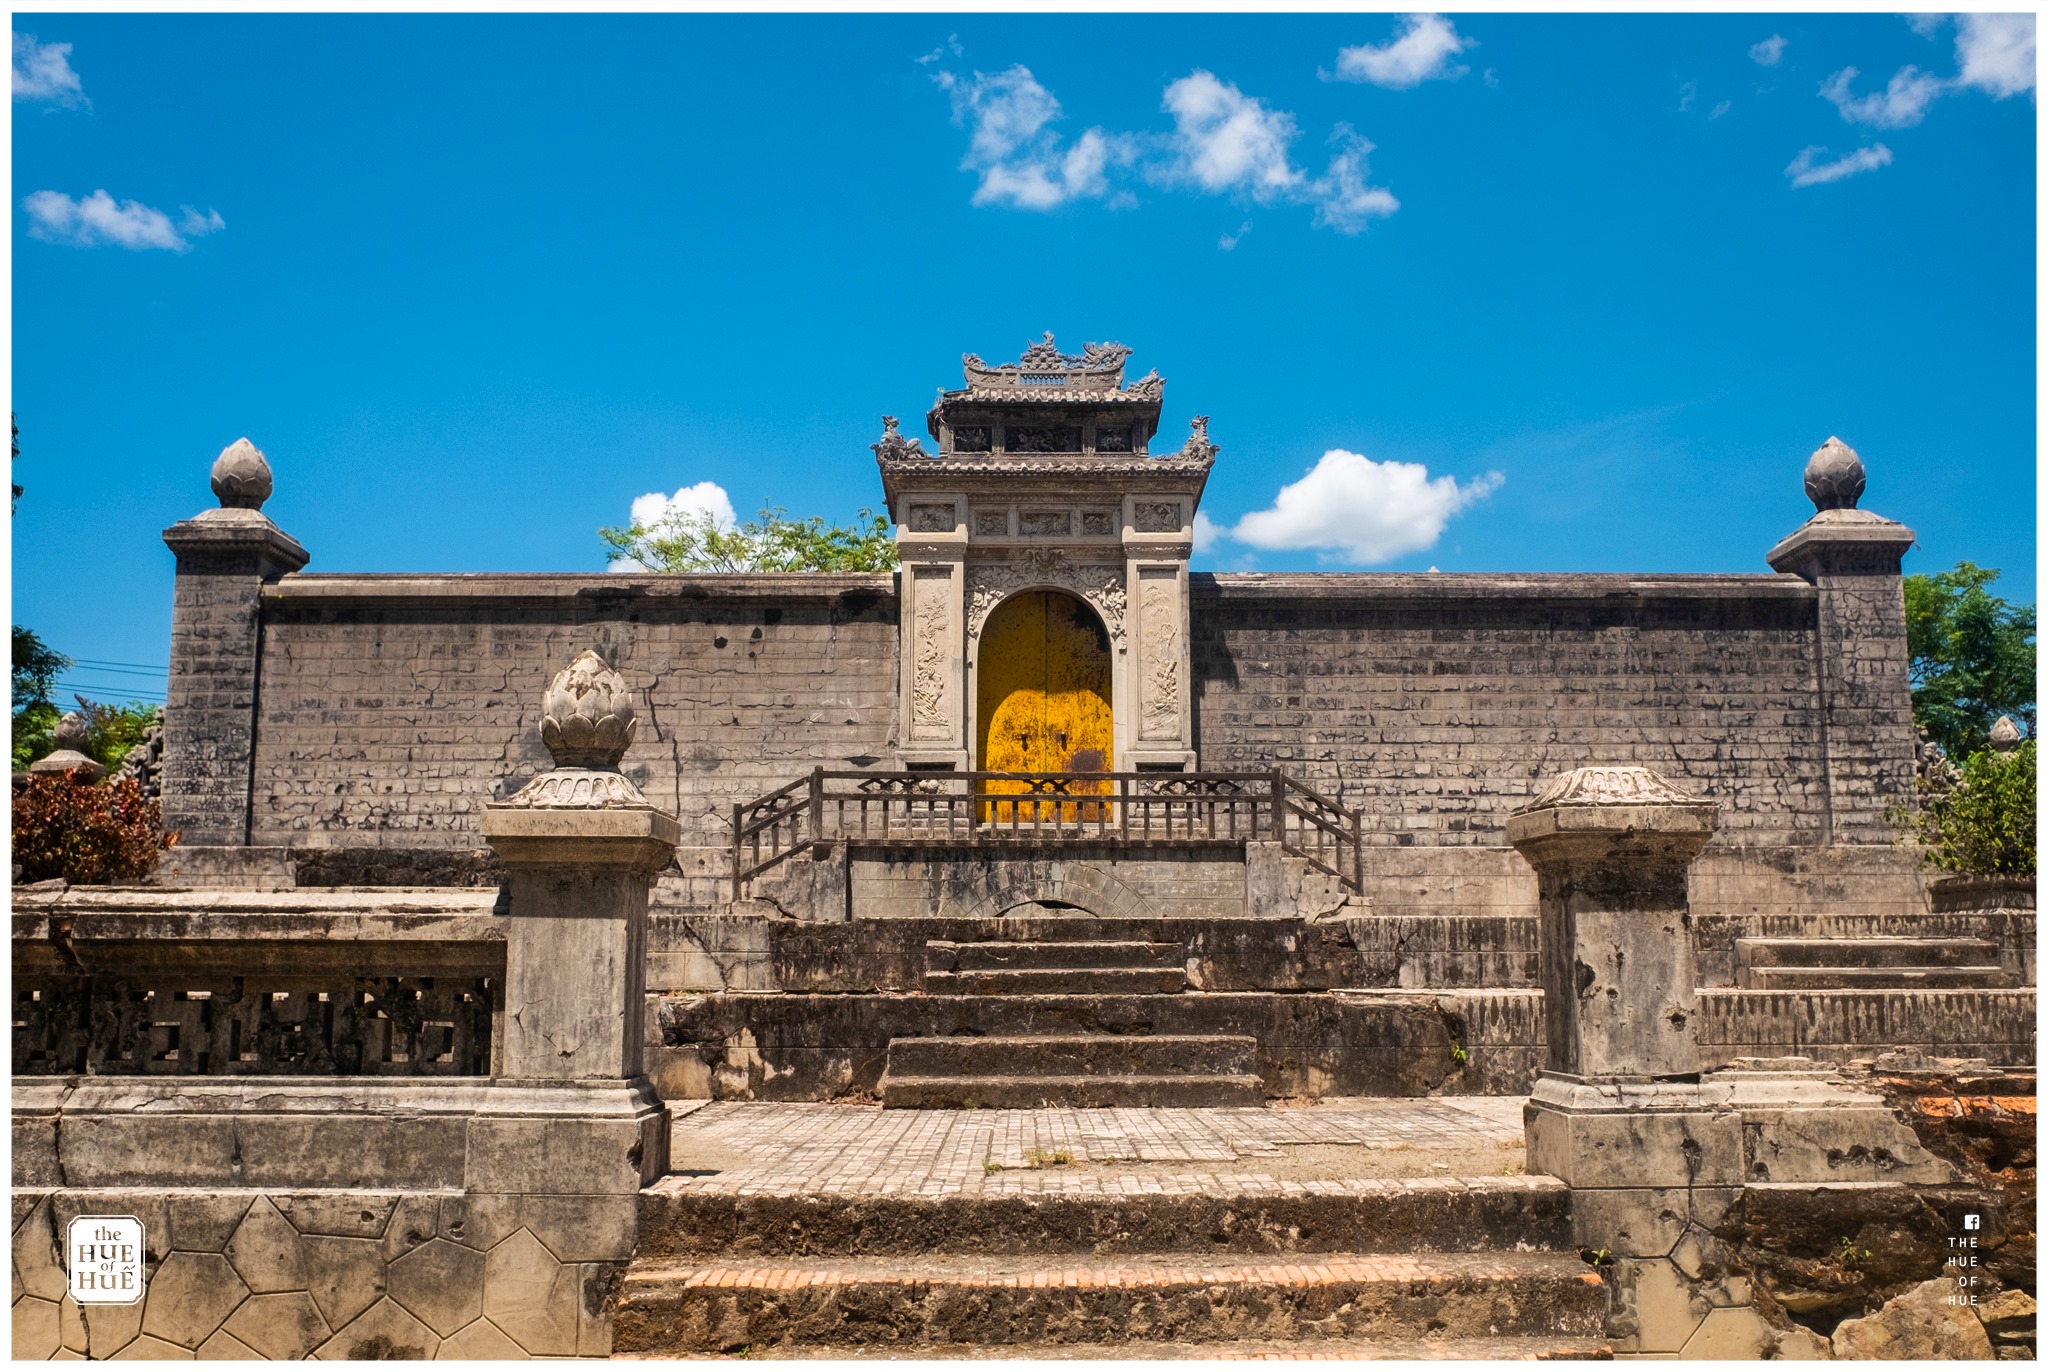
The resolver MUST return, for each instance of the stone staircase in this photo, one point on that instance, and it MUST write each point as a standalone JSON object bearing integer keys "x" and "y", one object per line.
{"x": 1878, "y": 963}
{"x": 1420, "y": 1268}
{"x": 1004, "y": 967}
{"x": 1016, "y": 1071}
{"x": 1023, "y": 1071}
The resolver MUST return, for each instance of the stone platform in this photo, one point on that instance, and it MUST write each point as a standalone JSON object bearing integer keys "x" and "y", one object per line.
{"x": 1360, "y": 1228}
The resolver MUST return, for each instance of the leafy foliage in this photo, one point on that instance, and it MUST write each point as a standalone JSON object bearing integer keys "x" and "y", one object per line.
{"x": 691, "y": 541}
{"x": 1972, "y": 657}
{"x": 1981, "y": 819}
{"x": 36, "y": 667}
{"x": 111, "y": 730}
{"x": 67, "y": 825}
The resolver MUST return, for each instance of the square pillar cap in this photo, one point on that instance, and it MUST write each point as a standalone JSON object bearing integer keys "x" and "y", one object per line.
{"x": 573, "y": 817}
{"x": 1612, "y": 803}
{"x": 1837, "y": 528}
{"x": 229, "y": 530}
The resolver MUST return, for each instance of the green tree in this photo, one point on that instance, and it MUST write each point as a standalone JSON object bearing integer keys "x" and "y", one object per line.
{"x": 111, "y": 730}
{"x": 1972, "y": 657}
{"x": 1982, "y": 818}
{"x": 691, "y": 541}
{"x": 36, "y": 666}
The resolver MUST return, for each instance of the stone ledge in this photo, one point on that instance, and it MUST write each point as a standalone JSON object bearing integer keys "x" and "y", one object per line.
{"x": 398, "y": 587}
{"x": 542, "y": 1138}
{"x": 1453, "y": 586}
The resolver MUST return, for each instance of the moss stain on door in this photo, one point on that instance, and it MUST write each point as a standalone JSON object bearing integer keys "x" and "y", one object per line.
{"x": 1042, "y": 695}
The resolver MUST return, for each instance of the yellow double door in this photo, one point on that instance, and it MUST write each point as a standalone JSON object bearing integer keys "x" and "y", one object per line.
{"x": 1043, "y": 702}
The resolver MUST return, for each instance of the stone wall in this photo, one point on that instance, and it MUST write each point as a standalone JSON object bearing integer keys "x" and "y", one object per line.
{"x": 389, "y": 709}
{"x": 393, "y": 708}
{"x": 1439, "y": 703}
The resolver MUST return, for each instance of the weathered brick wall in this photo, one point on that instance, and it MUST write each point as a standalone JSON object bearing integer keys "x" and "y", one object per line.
{"x": 393, "y": 708}
{"x": 1441, "y": 702}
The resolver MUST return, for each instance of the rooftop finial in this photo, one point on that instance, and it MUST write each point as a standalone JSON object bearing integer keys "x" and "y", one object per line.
{"x": 894, "y": 444}
{"x": 241, "y": 476}
{"x": 1834, "y": 476}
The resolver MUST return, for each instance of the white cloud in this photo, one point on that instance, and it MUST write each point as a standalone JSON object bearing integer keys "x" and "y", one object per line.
{"x": 1422, "y": 52}
{"x": 1207, "y": 533}
{"x": 56, "y": 218}
{"x": 1350, "y": 508}
{"x": 1225, "y": 140}
{"x": 1926, "y": 25}
{"x": 1804, "y": 172}
{"x": 691, "y": 503}
{"x": 1769, "y": 52}
{"x": 42, "y": 71}
{"x": 1721, "y": 109}
{"x": 1021, "y": 161}
{"x": 1687, "y": 94}
{"x": 1229, "y": 241}
{"x": 1995, "y": 53}
{"x": 1344, "y": 200}
{"x": 1899, "y": 105}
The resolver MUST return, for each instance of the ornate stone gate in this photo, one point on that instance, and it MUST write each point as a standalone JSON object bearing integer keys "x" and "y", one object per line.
{"x": 1043, "y": 481}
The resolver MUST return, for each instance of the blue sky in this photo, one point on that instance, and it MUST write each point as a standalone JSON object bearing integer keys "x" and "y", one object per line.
{"x": 477, "y": 283}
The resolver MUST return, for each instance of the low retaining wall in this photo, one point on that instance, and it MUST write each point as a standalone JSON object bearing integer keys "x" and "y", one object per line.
{"x": 335, "y": 1217}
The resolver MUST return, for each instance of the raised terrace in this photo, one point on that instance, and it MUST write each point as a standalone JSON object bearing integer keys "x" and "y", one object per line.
{"x": 1039, "y": 946}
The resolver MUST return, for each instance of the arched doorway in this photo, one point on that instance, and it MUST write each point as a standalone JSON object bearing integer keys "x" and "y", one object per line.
{"x": 1042, "y": 696}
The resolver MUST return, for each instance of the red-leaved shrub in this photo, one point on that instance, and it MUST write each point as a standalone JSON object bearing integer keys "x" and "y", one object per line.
{"x": 87, "y": 832}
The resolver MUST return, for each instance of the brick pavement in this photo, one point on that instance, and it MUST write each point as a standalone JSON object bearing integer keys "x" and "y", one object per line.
{"x": 865, "y": 1150}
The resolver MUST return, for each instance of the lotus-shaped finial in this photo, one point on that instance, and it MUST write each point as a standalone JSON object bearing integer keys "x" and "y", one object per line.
{"x": 1834, "y": 476}
{"x": 241, "y": 476}
{"x": 587, "y": 714}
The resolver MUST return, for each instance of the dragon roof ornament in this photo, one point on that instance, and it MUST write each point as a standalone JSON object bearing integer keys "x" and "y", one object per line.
{"x": 1098, "y": 366}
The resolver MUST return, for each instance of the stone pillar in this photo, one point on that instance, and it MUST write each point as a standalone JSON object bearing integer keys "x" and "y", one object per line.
{"x": 225, "y": 558}
{"x": 581, "y": 847}
{"x": 1852, "y": 558}
{"x": 1611, "y": 846}
{"x": 1655, "y": 1150}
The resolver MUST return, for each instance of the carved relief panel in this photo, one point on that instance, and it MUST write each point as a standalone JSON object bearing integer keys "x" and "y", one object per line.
{"x": 1161, "y": 666}
{"x": 933, "y": 686}
{"x": 1101, "y": 585}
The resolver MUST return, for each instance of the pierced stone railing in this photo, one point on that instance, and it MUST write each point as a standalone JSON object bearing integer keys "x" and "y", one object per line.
{"x": 998, "y": 809}
{"x": 111, "y": 982}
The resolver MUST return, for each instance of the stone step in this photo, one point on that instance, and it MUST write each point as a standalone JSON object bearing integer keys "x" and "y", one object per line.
{"x": 1060, "y": 981}
{"x": 680, "y": 1218}
{"x": 1525, "y": 1348}
{"x": 1074, "y": 1055}
{"x": 1865, "y": 952}
{"x": 919, "y": 1302}
{"x": 1875, "y": 978}
{"x": 943, "y": 955}
{"x": 1076, "y": 1092}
